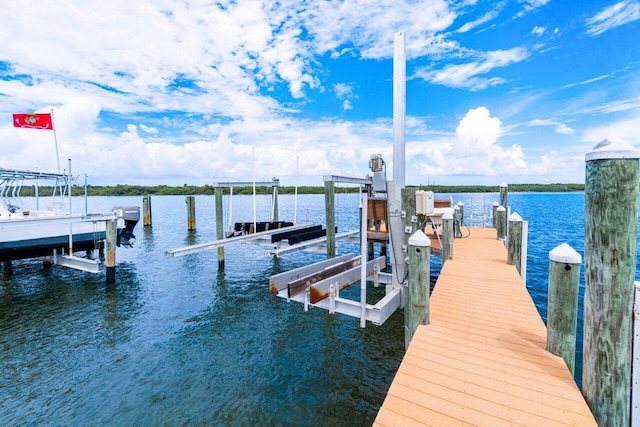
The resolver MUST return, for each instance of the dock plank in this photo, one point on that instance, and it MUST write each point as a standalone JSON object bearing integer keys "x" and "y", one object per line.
{"x": 482, "y": 359}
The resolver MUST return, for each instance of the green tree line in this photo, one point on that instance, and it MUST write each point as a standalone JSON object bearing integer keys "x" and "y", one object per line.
{"x": 192, "y": 190}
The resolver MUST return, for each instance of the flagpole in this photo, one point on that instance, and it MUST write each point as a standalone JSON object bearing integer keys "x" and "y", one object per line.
{"x": 55, "y": 138}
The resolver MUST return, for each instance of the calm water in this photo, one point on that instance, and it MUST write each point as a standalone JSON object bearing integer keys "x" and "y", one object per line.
{"x": 177, "y": 342}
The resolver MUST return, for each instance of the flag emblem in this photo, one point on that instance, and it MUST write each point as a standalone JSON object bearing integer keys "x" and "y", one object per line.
{"x": 33, "y": 121}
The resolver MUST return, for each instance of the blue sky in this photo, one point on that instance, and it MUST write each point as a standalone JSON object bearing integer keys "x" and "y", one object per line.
{"x": 175, "y": 92}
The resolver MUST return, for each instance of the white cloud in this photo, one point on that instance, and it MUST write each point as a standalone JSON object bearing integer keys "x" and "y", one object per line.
{"x": 466, "y": 75}
{"x": 534, "y": 3}
{"x": 132, "y": 53}
{"x": 370, "y": 26}
{"x": 613, "y": 16}
{"x": 560, "y": 127}
{"x": 478, "y": 131}
{"x": 345, "y": 93}
{"x": 530, "y": 5}
{"x": 538, "y": 31}
{"x": 468, "y": 26}
{"x": 474, "y": 149}
{"x": 564, "y": 129}
{"x": 626, "y": 129}
{"x": 149, "y": 129}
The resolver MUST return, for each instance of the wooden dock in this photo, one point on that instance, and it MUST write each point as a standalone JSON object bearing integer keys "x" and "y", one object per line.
{"x": 482, "y": 359}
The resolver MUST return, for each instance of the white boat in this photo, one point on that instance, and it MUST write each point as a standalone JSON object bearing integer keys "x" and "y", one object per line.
{"x": 53, "y": 230}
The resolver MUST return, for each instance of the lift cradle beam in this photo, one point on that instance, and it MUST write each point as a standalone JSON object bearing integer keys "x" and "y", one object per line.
{"x": 245, "y": 238}
{"x": 312, "y": 244}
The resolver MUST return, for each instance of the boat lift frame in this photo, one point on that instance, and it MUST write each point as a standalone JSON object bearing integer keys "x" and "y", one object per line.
{"x": 263, "y": 237}
{"x": 319, "y": 284}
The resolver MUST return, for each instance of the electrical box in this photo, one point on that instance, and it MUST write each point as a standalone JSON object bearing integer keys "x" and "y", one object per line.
{"x": 424, "y": 202}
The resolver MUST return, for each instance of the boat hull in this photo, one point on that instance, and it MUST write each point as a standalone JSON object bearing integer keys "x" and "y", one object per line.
{"x": 35, "y": 237}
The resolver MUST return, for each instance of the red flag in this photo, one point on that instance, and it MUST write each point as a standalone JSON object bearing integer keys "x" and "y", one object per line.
{"x": 33, "y": 121}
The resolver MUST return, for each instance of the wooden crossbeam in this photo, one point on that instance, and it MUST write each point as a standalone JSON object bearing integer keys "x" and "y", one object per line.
{"x": 300, "y": 285}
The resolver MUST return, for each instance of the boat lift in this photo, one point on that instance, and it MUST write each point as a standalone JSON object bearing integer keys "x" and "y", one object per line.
{"x": 319, "y": 284}
{"x": 54, "y": 234}
{"x": 283, "y": 239}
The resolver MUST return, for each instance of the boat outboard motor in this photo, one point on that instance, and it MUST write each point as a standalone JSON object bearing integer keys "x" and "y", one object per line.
{"x": 128, "y": 217}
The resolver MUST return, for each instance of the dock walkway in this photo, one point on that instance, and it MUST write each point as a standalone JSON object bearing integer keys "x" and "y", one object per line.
{"x": 482, "y": 359}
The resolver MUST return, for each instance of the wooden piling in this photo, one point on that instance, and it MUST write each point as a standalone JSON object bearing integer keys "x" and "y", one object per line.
{"x": 219, "y": 226}
{"x": 416, "y": 310}
{"x": 457, "y": 222}
{"x": 562, "y": 303}
{"x": 146, "y": 211}
{"x": 503, "y": 194}
{"x": 110, "y": 260}
{"x": 500, "y": 222}
{"x": 461, "y": 206}
{"x": 611, "y": 218}
{"x": 275, "y": 215}
{"x": 411, "y": 224}
{"x": 191, "y": 213}
{"x": 514, "y": 246}
{"x": 447, "y": 237}
{"x": 329, "y": 204}
{"x": 370, "y": 251}
{"x": 493, "y": 214}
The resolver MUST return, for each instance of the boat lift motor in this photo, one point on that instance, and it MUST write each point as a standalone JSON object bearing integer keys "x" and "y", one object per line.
{"x": 376, "y": 164}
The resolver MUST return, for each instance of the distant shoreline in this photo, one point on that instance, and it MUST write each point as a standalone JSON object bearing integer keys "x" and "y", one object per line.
{"x": 192, "y": 190}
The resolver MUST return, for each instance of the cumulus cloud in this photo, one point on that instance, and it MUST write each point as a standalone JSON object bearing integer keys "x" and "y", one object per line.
{"x": 478, "y": 131}
{"x": 179, "y": 91}
{"x": 474, "y": 149}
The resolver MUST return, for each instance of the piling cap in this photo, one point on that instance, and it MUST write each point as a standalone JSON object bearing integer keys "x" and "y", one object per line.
{"x": 514, "y": 217}
{"x": 503, "y": 185}
{"x": 419, "y": 239}
{"x": 612, "y": 149}
{"x": 496, "y": 204}
{"x": 460, "y": 203}
{"x": 566, "y": 254}
{"x": 501, "y": 208}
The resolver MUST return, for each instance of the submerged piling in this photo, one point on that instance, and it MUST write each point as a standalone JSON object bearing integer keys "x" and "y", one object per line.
{"x": 191, "y": 213}
{"x": 111, "y": 250}
{"x": 329, "y": 201}
{"x": 219, "y": 226}
{"x": 146, "y": 211}
{"x": 611, "y": 218}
